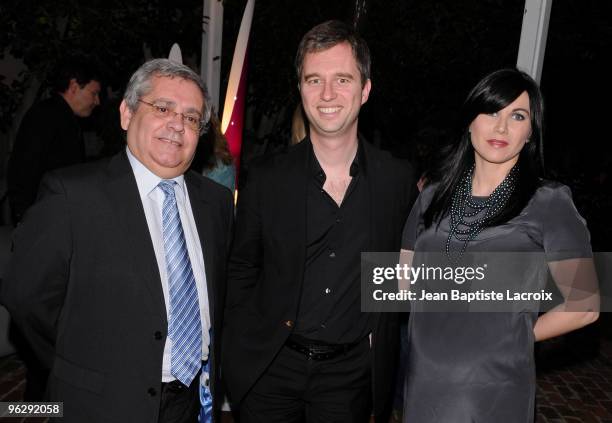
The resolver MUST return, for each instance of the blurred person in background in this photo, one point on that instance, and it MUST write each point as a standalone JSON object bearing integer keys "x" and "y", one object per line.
{"x": 213, "y": 158}
{"x": 50, "y": 134}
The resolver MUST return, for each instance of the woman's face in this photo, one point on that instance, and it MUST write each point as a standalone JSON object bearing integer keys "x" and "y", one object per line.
{"x": 499, "y": 137}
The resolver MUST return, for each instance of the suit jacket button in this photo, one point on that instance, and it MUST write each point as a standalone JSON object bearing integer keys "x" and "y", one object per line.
{"x": 289, "y": 323}
{"x": 158, "y": 335}
{"x": 152, "y": 392}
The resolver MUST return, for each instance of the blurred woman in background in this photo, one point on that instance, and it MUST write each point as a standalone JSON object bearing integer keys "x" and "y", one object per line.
{"x": 213, "y": 158}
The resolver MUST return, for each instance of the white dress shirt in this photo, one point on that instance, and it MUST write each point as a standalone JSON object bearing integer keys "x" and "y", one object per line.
{"x": 152, "y": 198}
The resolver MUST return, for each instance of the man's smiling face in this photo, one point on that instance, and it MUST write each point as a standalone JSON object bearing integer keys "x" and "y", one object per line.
{"x": 332, "y": 91}
{"x": 164, "y": 145}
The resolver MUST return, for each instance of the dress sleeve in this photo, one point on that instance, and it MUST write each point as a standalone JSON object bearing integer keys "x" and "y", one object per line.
{"x": 564, "y": 232}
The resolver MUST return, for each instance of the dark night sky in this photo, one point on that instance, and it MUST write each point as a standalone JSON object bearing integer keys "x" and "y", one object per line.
{"x": 427, "y": 55}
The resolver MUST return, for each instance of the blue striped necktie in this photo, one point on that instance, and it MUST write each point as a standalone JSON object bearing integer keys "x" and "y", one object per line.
{"x": 184, "y": 326}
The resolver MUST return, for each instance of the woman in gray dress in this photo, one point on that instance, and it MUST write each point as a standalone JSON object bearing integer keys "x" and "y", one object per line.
{"x": 488, "y": 195}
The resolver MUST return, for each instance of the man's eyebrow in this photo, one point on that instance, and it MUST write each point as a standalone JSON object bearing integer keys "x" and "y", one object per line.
{"x": 311, "y": 75}
{"x": 345, "y": 75}
{"x": 166, "y": 101}
{"x": 171, "y": 103}
{"x": 192, "y": 110}
{"x": 337, "y": 75}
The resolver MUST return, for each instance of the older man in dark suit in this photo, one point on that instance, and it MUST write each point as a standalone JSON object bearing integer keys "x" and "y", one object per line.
{"x": 117, "y": 279}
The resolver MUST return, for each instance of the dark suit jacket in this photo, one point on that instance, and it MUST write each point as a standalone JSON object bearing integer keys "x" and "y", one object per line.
{"x": 49, "y": 137}
{"x": 84, "y": 287}
{"x": 268, "y": 257}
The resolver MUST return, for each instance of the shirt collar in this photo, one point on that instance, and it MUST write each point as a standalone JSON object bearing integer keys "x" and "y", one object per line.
{"x": 357, "y": 165}
{"x": 147, "y": 181}
{"x": 64, "y": 105}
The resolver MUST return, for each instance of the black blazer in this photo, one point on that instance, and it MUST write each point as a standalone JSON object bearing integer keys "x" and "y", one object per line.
{"x": 49, "y": 137}
{"x": 84, "y": 287}
{"x": 267, "y": 263}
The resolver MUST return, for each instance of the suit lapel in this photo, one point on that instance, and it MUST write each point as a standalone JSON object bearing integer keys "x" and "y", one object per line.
{"x": 125, "y": 199}
{"x": 374, "y": 194}
{"x": 295, "y": 182}
{"x": 207, "y": 233}
{"x": 374, "y": 209}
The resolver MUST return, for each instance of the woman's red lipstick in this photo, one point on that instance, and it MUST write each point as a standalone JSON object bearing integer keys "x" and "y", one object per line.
{"x": 497, "y": 143}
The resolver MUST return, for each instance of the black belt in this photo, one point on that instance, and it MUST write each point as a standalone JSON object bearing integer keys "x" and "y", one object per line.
{"x": 174, "y": 386}
{"x": 316, "y": 351}
{"x": 178, "y": 386}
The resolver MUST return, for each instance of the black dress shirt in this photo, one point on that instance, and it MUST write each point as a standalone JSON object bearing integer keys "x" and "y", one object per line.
{"x": 330, "y": 302}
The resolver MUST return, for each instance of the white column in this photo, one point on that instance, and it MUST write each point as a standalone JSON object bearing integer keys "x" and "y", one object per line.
{"x": 212, "y": 33}
{"x": 533, "y": 37}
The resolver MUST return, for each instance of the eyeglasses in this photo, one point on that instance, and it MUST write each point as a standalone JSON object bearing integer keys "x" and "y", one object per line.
{"x": 191, "y": 120}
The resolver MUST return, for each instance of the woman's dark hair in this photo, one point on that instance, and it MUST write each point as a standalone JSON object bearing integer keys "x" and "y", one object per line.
{"x": 494, "y": 92}
{"x": 212, "y": 147}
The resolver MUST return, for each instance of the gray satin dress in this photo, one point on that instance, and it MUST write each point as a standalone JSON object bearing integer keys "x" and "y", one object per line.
{"x": 479, "y": 367}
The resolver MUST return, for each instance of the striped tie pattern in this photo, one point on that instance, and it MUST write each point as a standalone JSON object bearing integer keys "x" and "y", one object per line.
{"x": 184, "y": 326}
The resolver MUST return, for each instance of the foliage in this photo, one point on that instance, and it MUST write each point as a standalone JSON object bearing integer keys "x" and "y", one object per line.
{"x": 426, "y": 56}
{"x": 113, "y": 33}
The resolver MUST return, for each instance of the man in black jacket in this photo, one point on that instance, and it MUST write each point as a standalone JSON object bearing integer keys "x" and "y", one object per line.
{"x": 50, "y": 135}
{"x": 117, "y": 279}
{"x": 297, "y": 346}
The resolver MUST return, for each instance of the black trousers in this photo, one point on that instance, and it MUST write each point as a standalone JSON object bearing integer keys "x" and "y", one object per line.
{"x": 179, "y": 403}
{"x": 295, "y": 389}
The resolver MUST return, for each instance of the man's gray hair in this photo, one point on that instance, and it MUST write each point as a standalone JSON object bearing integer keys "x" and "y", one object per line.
{"x": 140, "y": 83}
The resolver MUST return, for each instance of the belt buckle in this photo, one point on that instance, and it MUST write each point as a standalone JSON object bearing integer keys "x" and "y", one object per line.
{"x": 175, "y": 386}
{"x": 318, "y": 354}
{"x": 314, "y": 352}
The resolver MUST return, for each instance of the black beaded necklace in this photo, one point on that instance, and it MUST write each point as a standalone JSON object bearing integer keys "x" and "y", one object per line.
{"x": 466, "y": 225}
